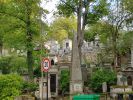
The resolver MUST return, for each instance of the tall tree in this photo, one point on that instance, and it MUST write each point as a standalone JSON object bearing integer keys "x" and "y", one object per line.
{"x": 117, "y": 19}
{"x": 129, "y": 8}
{"x": 87, "y": 12}
{"x": 26, "y": 14}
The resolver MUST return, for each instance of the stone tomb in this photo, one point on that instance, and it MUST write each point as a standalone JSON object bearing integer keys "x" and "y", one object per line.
{"x": 53, "y": 74}
{"x": 128, "y": 72}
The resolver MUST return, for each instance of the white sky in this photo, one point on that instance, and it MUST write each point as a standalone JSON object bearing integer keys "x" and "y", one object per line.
{"x": 51, "y": 7}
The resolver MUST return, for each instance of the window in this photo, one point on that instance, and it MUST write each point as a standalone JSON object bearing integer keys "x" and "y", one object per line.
{"x": 52, "y": 62}
{"x": 67, "y": 45}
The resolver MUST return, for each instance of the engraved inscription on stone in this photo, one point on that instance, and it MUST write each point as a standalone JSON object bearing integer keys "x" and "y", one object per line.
{"x": 77, "y": 87}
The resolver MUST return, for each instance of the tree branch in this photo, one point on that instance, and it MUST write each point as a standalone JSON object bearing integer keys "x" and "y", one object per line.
{"x": 15, "y": 16}
{"x": 75, "y": 10}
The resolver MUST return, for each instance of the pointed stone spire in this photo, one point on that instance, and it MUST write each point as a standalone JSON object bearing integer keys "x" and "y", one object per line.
{"x": 132, "y": 55}
{"x": 76, "y": 83}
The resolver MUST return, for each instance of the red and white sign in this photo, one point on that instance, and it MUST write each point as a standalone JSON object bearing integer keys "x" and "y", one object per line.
{"x": 46, "y": 64}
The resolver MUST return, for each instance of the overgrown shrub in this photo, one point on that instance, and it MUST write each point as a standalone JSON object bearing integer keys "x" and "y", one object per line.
{"x": 10, "y": 86}
{"x": 64, "y": 81}
{"x": 100, "y": 76}
{"x": 10, "y": 64}
{"x": 29, "y": 87}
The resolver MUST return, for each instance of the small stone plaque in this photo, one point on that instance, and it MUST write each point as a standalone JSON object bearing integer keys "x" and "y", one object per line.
{"x": 77, "y": 87}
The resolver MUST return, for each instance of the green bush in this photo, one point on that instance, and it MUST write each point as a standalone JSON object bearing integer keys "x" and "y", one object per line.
{"x": 5, "y": 65}
{"x": 64, "y": 81}
{"x": 29, "y": 87}
{"x": 10, "y": 64}
{"x": 100, "y": 76}
{"x": 10, "y": 86}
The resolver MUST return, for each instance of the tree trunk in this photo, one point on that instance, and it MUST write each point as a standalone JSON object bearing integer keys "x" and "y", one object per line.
{"x": 79, "y": 32}
{"x": 29, "y": 41}
{"x": 115, "y": 60}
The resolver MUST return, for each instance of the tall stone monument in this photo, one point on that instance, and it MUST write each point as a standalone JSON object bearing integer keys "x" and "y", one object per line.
{"x": 76, "y": 83}
{"x": 132, "y": 55}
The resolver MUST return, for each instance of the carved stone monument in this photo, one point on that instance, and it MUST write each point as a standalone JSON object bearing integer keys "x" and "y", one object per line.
{"x": 132, "y": 55}
{"x": 43, "y": 88}
{"x": 76, "y": 83}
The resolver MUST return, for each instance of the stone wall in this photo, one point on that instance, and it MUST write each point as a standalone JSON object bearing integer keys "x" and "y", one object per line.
{"x": 115, "y": 90}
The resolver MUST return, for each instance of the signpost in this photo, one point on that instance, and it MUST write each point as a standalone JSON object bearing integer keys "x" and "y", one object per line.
{"x": 46, "y": 64}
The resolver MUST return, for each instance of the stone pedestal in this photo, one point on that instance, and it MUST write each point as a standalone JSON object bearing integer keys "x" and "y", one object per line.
{"x": 43, "y": 88}
{"x": 76, "y": 87}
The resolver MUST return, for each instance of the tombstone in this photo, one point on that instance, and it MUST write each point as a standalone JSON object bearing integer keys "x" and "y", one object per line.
{"x": 104, "y": 87}
{"x": 43, "y": 88}
{"x": 128, "y": 72}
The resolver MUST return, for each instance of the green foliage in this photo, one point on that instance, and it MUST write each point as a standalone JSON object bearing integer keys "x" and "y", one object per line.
{"x": 98, "y": 10}
{"x": 105, "y": 31}
{"x": 29, "y": 86}
{"x": 128, "y": 38}
{"x": 92, "y": 31}
{"x": 100, "y": 76}
{"x": 4, "y": 65}
{"x": 128, "y": 5}
{"x": 89, "y": 35}
{"x": 129, "y": 9}
{"x": 37, "y": 72}
{"x": 13, "y": 64}
{"x": 37, "y": 64}
{"x": 62, "y": 28}
{"x": 20, "y": 24}
{"x": 102, "y": 29}
{"x": 10, "y": 86}
{"x": 13, "y": 85}
{"x": 64, "y": 81}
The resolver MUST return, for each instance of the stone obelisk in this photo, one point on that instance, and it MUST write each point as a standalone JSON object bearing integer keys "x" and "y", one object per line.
{"x": 132, "y": 55}
{"x": 76, "y": 83}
